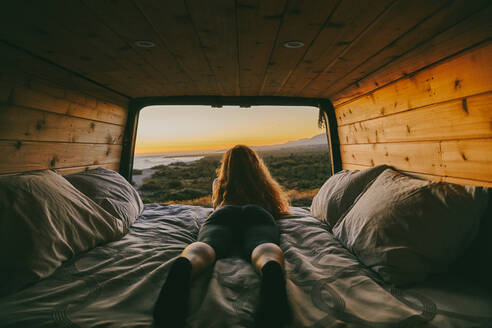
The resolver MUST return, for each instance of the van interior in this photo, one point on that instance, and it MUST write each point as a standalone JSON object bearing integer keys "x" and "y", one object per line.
{"x": 398, "y": 233}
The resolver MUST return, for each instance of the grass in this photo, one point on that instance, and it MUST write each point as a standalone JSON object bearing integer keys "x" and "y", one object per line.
{"x": 300, "y": 172}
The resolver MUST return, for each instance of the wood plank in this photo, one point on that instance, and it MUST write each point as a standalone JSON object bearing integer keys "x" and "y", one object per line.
{"x": 78, "y": 98}
{"x": 422, "y": 157}
{"x": 258, "y": 23}
{"x": 27, "y": 156}
{"x": 470, "y": 117}
{"x": 110, "y": 111}
{"x": 422, "y": 176}
{"x": 77, "y": 169}
{"x": 467, "y": 33}
{"x": 126, "y": 19}
{"x": 471, "y": 31}
{"x": 104, "y": 112}
{"x": 437, "y": 22}
{"x": 91, "y": 34}
{"x": 469, "y": 159}
{"x": 20, "y": 123}
{"x": 357, "y": 167}
{"x": 461, "y": 181}
{"x": 354, "y": 167}
{"x": 468, "y": 74}
{"x": 401, "y": 17}
{"x": 116, "y": 113}
{"x": 43, "y": 33}
{"x": 349, "y": 19}
{"x": 47, "y": 88}
{"x": 25, "y": 97}
{"x": 468, "y": 182}
{"x": 18, "y": 67}
{"x": 431, "y": 177}
{"x": 8, "y": 80}
{"x": 219, "y": 40}
{"x": 90, "y": 30}
{"x": 34, "y": 26}
{"x": 302, "y": 20}
{"x": 171, "y": 21}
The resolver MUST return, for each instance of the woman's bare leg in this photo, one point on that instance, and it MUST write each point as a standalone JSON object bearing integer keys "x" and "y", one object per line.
{"x": 171, "y": 307}
{"x": 273, "y": 309}
{"x": 265, "y": 253}
{"x": 200, "y": 255}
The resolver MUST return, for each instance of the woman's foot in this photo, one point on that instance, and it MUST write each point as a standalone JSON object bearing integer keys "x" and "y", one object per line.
{"x": 273, "y": 310}
{"x": 171, "y": 307}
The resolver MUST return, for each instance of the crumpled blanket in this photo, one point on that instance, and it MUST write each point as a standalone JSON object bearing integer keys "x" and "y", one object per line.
{"x": 116, "y": 285}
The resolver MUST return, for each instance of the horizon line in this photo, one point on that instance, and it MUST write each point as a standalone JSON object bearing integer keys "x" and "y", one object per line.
{"x": 218, "y": 150}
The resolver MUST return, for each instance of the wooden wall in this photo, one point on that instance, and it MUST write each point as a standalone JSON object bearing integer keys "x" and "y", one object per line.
{"x": 435, "y": 121}
{"x": 46, "y": 124}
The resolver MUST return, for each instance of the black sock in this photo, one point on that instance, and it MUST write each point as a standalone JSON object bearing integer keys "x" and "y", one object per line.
{"x": 171, "y": 307}
{"x": 273, "y": 309}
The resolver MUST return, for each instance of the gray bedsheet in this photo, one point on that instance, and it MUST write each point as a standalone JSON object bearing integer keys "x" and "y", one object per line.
{"x": 116, "y": 285}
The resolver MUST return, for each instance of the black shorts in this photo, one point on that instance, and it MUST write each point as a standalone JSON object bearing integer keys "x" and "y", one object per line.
{"x": 235, "y": 228}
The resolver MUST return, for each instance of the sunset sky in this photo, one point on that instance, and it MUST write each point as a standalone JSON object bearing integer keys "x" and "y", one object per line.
{"x": 164, "y": 129}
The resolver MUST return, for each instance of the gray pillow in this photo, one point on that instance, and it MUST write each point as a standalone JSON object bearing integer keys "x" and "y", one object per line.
{"x": 44, "y": 221}
{"x": 340, "y": 191}
{"x": 406, "y": 229}
{"x": 110, "y": 191}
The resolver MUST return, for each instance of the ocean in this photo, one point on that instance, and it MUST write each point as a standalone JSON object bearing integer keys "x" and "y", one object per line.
{"x": 142, "y": 162}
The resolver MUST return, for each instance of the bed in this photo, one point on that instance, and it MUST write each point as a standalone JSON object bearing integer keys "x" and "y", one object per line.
{"x": 116, "y": 284}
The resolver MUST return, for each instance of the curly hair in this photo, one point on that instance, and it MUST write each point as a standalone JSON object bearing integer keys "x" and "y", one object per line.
{"x": 243, "y": 178}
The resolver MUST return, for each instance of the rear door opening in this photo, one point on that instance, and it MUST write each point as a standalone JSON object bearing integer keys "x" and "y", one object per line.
{"x": 178, "y": 149}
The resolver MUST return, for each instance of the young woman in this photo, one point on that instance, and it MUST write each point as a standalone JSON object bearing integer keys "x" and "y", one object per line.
{"x": 247, "y": 202}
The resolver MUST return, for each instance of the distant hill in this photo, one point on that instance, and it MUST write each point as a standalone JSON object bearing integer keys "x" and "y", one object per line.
{"x": 317, "y": 140}
{"x": 305, "y": 143}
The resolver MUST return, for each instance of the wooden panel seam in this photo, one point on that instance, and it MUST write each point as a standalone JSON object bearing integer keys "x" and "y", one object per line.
{"x": 444, "y": 102}
{"x": 352, "y": 43}
{"x": 42, "y": 101}
{"x": 467, "y": 159}
{"x": 435, "y": 48}
{"x": 465, "y": 118}
{"x": 417, "y": 156}
{"x": 462, "y": 181}
{"x": 429, "y": 90}
{"x": 70, "y": 170}
{"x": 25, "y": 53}
{"x": 76, "y": 169}
{"x": 354, "y": 16}
{"x": 9, "y": 104}
{"x": 28, "y": 156}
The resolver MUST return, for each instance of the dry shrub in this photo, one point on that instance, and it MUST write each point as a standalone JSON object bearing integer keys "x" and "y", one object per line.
{"x": 296, "y": 197}
{"x": 301, "y": 197}
{"x": 205, "y": 201}
{"x": 303, "y": 194}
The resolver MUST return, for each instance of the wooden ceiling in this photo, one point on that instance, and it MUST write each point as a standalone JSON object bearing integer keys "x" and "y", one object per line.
{"x": 227, "y": 47}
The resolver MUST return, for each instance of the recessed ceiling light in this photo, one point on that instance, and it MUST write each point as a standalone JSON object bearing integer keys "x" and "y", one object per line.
{"x": 293, "y": 44}
{"x": 144, "y": 44}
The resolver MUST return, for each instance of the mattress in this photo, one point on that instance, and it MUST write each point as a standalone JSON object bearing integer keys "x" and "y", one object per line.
{"x": 116, "y": 285}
